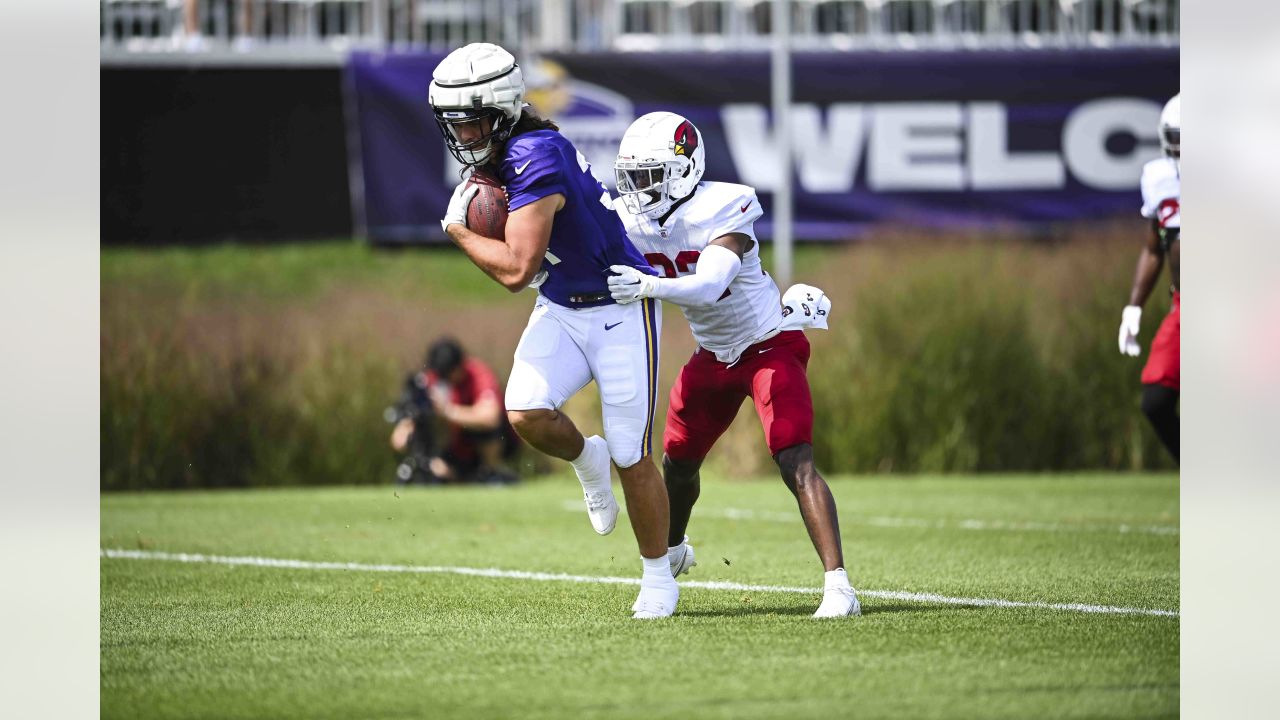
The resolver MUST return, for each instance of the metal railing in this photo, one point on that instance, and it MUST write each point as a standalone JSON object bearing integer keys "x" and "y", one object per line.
{"x": 323, "y": 30}
{"x": 307, "y": 29}
{"x": 904, "y": 24}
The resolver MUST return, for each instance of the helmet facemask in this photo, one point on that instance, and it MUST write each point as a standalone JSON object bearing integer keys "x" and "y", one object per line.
{"x": 480, "y": 148}
{"x": 659, "y": 163}
{"x": 645, "y": 187}
{"x": 1170, "y": 141}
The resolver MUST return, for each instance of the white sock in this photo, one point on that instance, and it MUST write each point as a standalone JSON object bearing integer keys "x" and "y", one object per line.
{"x": 586, "y": 461}
{"x": 835, "y": 579}
{"x": 657, "y": 568}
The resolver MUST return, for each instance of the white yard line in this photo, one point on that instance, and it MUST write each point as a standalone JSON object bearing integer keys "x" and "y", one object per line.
{"x": 910, "y": 522}
{"x": 560, "y": 577}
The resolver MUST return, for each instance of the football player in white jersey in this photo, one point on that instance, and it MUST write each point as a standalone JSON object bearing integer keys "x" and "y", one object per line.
{"x": 699, "y": 235}
{"x": 1161, "y": 198}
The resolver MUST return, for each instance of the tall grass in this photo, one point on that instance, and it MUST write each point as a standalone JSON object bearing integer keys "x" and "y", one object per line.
{"x": 978, "y": 354}
{"x": 271, "y": 366}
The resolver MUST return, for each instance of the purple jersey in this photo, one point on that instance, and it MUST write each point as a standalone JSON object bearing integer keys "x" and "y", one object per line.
{"x": 587, "y": 236}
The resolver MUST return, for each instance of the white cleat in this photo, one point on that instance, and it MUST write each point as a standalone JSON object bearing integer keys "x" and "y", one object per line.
{"x": 602, "y": 508}
{"x": 597, "y": 491}
{"x": 681, "y": 558}
{"x": 838, "y": 602}
{"x": 656, "y": 600}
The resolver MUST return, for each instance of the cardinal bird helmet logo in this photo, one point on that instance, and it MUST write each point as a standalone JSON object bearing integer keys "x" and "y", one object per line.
{"x": 686, "y": 139}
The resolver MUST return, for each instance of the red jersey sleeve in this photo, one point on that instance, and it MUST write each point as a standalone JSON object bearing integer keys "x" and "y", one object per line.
{"x": 483, "y": 381}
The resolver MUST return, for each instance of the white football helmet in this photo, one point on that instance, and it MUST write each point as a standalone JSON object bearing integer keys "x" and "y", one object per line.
{"x": 1171, "y": 127}
{"x": 660, "y": 161}
{"x": 473, "y": 83}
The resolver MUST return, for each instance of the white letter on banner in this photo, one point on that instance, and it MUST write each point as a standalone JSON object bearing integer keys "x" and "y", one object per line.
{"x": 752, "y": 145}
{"x": 827, "y": 161}
{"x": 993, "y": 167}
{"x": 1084, "y": 141}
{"x": 915, "y": 146}
{"x": 826, "y": 158}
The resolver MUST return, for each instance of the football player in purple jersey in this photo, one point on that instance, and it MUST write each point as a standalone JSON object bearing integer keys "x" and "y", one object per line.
{"x": 561, "y": 237}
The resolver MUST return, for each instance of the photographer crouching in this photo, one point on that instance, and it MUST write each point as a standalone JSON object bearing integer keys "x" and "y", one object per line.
{"x": 450, "y": 424}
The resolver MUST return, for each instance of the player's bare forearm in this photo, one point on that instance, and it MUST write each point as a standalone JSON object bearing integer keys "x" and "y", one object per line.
{"x": 515, "y": 260}
{"x": 1145, "y": 275}
{"x": 494, "y": 257}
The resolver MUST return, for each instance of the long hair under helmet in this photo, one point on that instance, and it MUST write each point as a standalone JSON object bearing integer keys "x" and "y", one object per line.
{"x": 472, "y": 83}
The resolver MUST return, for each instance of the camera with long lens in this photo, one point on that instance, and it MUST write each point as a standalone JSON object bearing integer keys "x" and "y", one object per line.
{"x": 415, "y": 404}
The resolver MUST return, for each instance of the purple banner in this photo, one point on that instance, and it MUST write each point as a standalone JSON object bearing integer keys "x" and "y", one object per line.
{"x": 921, "y": 138}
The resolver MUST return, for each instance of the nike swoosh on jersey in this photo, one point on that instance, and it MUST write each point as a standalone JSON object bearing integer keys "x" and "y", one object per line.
{"x": 519, "y": 169}
{"x": 744, "y": 207}
{"x": 607, "y": 326}
{"x": 764, "y": 351}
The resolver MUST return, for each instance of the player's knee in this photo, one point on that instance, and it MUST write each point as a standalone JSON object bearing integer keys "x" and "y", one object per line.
{"x": 680, "y": 473}
{"x": 796, "y": 466}
{"x": 528, "y": 421}
{"x": 625, "y": 455}
{"x": 627, "y": 438}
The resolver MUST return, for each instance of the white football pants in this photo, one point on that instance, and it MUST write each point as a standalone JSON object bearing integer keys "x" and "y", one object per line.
{"x": 562, "y": 349}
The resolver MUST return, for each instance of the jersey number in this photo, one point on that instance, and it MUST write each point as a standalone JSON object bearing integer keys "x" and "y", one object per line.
{"x": 1168, "y": 208}
{"x": 677, "y": 268}
{"x": 682, "y": 265}
{"x": 604, "y": 200}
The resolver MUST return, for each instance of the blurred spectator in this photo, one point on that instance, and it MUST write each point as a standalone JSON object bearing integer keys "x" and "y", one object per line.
{"x": 450, "y": 423}
{"x": 192, "y": 38}
{"x": 588, "y": 16}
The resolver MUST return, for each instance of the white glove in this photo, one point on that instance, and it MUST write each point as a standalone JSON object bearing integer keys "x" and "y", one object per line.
{"x": 629, "y": 284}
{"x": 1129, "y": 322}
{"x": 458, "y": 204}
{"x": 805, "y": 306}
{"x": 538, "y": 279}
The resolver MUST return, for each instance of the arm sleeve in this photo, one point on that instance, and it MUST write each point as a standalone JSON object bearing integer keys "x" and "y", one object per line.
{"x": 717, "y": 267}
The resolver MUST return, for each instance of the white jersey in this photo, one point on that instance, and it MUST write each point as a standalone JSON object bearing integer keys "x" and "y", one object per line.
{"x": 749, "y": 311}
{"x": 1162, "y": 192}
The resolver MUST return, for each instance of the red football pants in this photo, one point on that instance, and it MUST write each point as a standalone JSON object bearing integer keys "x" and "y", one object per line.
{"x": 708, "y": 393}
{"x": 1164, "y": 363}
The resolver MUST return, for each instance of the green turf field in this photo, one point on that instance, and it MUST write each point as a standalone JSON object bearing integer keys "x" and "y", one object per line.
{"x": 215, "y": 640}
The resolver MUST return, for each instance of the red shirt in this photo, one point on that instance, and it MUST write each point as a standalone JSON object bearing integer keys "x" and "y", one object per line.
{"x": 478, "y": 382}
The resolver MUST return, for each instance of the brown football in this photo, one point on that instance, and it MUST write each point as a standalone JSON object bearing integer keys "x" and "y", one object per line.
{"x": 487, "y": 213}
